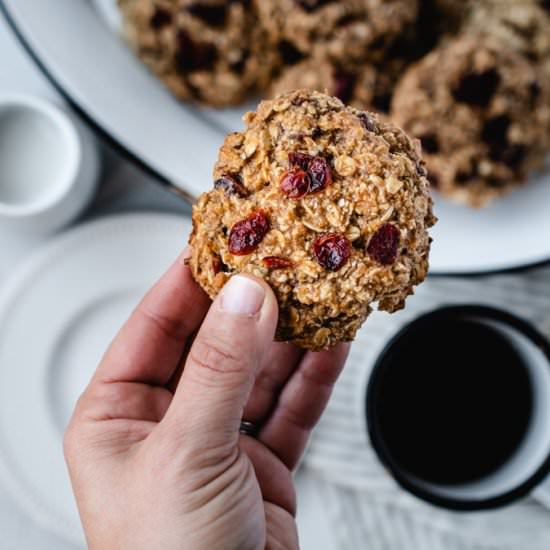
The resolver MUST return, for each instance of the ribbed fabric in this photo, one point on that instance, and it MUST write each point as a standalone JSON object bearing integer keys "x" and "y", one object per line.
{"x": 368, "y": 509}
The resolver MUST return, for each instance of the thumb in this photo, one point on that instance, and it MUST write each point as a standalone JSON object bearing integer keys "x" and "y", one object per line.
{"x": 223, "y": 361}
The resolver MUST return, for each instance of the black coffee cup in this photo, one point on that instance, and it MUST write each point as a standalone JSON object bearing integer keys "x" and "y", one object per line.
{"x": 458, "y": 408}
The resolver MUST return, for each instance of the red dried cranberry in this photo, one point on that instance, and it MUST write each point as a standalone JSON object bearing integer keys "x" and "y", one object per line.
{"x": 343, "y": 86}
{"x": 231, "y": 185}
{"x": 276, "y": 262}
{"x": 384, "y": 244}
{"x": 295, "y": 183}
{"x": 160, "y": 19}
{"x": 193, "y": 56}
{"x": 247, "y": 234}
{"x": 477, "y": 88}
{"x": 301, "y": 160}
{"x": 332, "y": 251}
{"x": 311, "y": 5}
{"x": 320, "y": 173}
{"x": 214, "y": 16}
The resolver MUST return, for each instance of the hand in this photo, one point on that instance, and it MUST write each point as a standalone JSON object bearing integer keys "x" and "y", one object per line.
{"x": 154, "y": 451}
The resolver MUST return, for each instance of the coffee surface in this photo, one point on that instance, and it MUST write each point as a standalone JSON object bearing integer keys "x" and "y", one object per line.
{"x": 454, "y": 401}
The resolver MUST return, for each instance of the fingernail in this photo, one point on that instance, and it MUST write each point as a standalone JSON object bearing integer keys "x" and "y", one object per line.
{"x": 242, "y": 295}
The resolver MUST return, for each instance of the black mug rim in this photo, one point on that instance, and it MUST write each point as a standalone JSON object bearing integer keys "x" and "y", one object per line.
{"x": 405, "y": 480}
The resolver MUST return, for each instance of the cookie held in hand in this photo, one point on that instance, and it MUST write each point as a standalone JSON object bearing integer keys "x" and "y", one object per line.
{"x": 329, "y": 204}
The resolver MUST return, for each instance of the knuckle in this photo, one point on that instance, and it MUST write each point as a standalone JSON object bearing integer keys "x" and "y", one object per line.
{"x": 174, "y": 329}
{"x": 214, "y": 355}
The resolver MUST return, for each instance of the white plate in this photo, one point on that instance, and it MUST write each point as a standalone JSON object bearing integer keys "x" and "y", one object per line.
{"x": 58, "y": 313}
{"x": 74, "y": 42}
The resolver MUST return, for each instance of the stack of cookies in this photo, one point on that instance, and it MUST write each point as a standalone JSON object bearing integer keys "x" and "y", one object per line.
{"x": 469, "y": 78}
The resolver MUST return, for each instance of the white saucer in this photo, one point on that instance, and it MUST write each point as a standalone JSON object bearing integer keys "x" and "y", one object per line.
{"x": 58, "y": 313}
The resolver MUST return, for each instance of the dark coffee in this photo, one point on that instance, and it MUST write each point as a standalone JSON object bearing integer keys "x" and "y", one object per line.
{"x": 452, "y": 401}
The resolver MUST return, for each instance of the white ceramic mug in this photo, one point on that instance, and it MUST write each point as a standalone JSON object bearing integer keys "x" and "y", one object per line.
{"x": 49, "y": 166}
{"x": 527, "y": 469}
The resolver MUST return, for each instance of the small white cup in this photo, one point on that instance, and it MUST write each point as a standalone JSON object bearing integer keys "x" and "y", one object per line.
{"x": 49, "y": 166}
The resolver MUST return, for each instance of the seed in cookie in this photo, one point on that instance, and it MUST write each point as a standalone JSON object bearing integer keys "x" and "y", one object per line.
{"x": 231, "y": 185}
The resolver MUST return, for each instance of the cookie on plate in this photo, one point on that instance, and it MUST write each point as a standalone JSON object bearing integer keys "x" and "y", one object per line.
{"x": 346, "y": 31}
{"x": 482, "y": 113}
{"x": 328, "y": 204}
{"x": 368, "y": 87}
{"x": 524, "y": 25}
{"x": 210, "y": 51}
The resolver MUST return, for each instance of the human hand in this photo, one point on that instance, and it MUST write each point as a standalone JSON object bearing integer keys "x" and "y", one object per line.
{"x": 153, "y": 448}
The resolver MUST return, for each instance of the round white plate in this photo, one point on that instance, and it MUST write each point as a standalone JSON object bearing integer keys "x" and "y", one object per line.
{"x": 77, "y": 45}
{"x": 58, "y": 313}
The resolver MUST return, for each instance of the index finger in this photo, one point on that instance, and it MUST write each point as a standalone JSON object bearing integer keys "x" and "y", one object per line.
{"x": 149, "y": 346}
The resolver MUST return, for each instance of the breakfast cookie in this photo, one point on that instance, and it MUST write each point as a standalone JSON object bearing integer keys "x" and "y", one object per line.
{"x": 482, "y": 113}
{"x": 329, "y": 204}
{"x": 524, "y": 26}
{"x": 368, "y": 88}
{"x": 210, "y": 51}
{"x": 344, "y": 31}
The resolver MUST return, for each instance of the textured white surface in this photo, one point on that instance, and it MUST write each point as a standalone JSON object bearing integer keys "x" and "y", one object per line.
{"x": 341, "y": 452}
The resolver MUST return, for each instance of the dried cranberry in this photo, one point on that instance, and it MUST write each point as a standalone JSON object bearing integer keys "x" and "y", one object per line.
{"x": 276, "y": 262}
{"x": 295, "y": 183}
{"x": 384, "y": 244}
{"x": 343, "y": 86}
{"x": 312, "y": 5}
{"x": 430, "y": 143}
{"x": 232, "y": 185}
{"x": 301, "y": 160}
{"x": 332, "y": 251}
{"x": 192, "y": 56}
{"x": 477, "y": 88}
{"x": 320, "y": 174}
{"x": 534, "y": 90}
{"x": 160, "y": 19}
{"x": 513, "y": 155}
{"x": 247, "y": 234}
{"x": 289, "y": 54}
{"x": 214, "y": 16}
{"x": 382, "y": 102}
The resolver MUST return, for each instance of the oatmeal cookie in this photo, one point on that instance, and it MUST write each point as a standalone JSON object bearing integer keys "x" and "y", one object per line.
{"x": 344, "y": 31}
{"x": 524, "y": 26}
{"x": 328, "y": 204}
{"x": 368, "y": 88}
{"x": 210, "y": 51}
{"x": 482, "y": 113}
